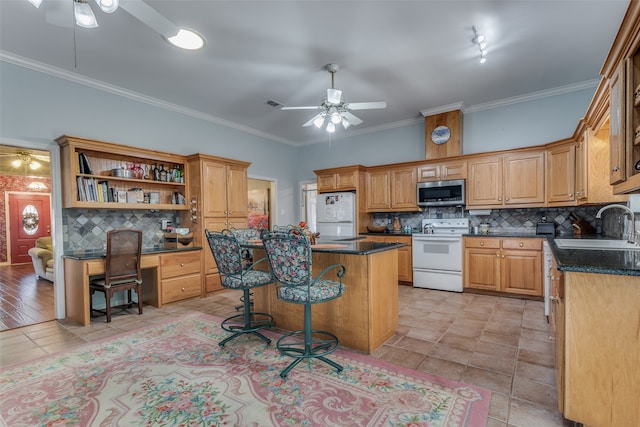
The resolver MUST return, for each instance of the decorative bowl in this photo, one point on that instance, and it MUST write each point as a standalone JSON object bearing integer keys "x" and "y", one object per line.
{"x": 377, "y": 228}
{"x": 122, "y": 173}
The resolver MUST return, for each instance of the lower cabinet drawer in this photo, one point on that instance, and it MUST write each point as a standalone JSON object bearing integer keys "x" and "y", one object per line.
{"x": 179, "y": 264}
{"x": 180, "y": 288}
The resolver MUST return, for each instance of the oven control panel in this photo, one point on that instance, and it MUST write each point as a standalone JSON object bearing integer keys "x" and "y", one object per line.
{"x": 452, "y": 226}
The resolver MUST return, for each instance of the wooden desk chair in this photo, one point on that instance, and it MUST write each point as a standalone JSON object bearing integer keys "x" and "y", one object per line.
{"x": 227, "y": 253}
{"x": 122, "y": 269}
{"x": 289, "y": 256}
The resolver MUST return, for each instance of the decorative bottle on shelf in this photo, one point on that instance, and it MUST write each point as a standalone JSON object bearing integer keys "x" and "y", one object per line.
{"x": 156, "y": 172}
{"x": 163, "y": 173}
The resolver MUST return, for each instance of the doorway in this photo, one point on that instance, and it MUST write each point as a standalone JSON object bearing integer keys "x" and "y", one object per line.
{"x": 25, "y": 215}
{"x": 261, "y": 203}
{"x": 309, "y": 195}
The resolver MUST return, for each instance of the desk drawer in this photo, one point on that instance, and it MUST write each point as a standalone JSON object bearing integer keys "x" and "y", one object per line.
{"x": 180, "y": 288}
{"x": 179, "y": 264}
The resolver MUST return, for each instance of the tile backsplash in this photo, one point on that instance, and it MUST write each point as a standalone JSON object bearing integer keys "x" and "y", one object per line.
{"x": 514, "y": 220}
{"x": 87, "y": 228}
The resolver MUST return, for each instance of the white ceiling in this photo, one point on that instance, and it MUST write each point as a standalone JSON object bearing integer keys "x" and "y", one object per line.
{"x": 415, "y": 55}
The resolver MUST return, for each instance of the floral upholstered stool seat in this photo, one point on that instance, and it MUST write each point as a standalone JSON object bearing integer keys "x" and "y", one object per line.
{"x": 227, "y": 253}
{"x": 289, "y": 256}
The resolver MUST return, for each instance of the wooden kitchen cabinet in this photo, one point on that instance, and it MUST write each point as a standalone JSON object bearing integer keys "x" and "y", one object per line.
{"x": 557, "y": 326}
{"x": 592, "y": 166}
{"x": 91, "y": 189}
{"x": 405, "y": 256}
{"x": 391, "y": 189}
{"x": 345, "y": 178}
{"x": 508, "y": 180}
{"x": 510, "y": 265}
{"x": 180, "y": 276}
{"x": 561, "y": 173}
{"x": 441, "y": 171}
{"x": 622, "y": 69}
{"x": 219, "y": 189}
{"x": 594, "y": 320}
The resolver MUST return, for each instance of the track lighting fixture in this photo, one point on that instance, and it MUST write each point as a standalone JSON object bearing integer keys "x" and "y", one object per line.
{"x": 481, "y": 41}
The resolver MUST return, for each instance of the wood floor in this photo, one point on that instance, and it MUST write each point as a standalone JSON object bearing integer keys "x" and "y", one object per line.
{"x": 24, "y": 298}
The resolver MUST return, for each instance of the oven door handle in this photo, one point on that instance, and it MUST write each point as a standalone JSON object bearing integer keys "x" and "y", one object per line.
{"x": 436, "y": 239}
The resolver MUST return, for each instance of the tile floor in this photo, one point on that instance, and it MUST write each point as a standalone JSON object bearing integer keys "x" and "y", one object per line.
{"x": 498, "y": 343}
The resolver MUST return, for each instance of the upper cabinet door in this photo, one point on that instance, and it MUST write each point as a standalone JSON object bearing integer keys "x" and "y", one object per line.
{"x": 561, "y": 174}
{"x": 237, "y": 195}
{"x": 378, "y": 196}
{"x": 524, "y": 178}
{"x": 403, "y": 188}
{"x": 214, "y": 182}
{"x": 484, "y": 186}
{"x": 616, "y": 131}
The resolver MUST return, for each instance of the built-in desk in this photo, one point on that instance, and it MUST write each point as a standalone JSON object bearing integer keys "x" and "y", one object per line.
{"x": 167, "y": 275}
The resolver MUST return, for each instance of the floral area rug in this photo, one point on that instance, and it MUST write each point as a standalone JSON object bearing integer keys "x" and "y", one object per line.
{"x": 175, "y": 374}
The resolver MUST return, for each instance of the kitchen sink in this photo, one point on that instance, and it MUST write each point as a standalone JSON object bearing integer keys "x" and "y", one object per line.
{"x": 597, "y": 244}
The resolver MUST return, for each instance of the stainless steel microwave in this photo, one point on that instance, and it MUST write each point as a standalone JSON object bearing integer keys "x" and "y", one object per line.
{"x": 441, "y": 193}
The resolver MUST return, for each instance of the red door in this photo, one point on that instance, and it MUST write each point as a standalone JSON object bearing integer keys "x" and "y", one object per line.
{"x": 29, "y": 219}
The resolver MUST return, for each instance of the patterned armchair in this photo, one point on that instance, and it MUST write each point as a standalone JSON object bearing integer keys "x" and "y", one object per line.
{"x": 290, "y": 259}
{"x": 227, "y": 253}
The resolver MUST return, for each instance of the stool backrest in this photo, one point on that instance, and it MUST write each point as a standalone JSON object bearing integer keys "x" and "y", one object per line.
{"x": 289, "y": 256}
{"x": 226, "y": 251}
{"x": 124, "y": 248}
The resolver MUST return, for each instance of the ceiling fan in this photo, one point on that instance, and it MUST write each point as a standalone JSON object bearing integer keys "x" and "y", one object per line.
{"x": 334, "y": 110}
{"x": 26, "y": 159}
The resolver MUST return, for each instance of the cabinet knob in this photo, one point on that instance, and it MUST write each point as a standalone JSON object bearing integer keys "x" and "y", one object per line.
{"x": 499, "y": 199}
{"x": 182, "y": 264}
{"x": 506, "y": 198}
{"x": 570, "y": 194}
{"x": 182, "y": 289}
{"x": 498, "y": 254}
{"x": 615, "y": 169}
{"x": 481, "y": 243}
{"x": 521, "y": 244}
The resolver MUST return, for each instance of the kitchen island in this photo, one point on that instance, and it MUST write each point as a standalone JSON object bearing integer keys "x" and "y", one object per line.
{"x": 366, "y": 314}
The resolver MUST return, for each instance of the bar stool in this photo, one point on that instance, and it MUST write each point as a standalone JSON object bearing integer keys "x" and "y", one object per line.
{"x": 227, "y": 253}
{"x": 290, "y": 260}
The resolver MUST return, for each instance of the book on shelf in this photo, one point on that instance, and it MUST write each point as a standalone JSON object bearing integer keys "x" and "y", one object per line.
{"x": 84, "y": 165}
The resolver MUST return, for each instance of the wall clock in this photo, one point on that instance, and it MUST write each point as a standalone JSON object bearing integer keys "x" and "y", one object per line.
{"x": 440, "y": 135}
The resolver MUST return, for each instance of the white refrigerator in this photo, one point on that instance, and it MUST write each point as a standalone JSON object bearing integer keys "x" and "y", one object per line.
{"x": 336, "y": 215}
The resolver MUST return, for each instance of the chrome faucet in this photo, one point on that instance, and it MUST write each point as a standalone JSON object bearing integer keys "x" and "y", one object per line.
{"x": 632, "y": 217}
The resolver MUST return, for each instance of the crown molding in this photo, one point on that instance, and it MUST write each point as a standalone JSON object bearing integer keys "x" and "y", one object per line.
{"x": 443, "y": 109}
{"x": 533, "y": 96}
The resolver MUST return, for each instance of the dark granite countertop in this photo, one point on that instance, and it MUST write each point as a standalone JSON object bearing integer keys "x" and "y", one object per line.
{"x": 387, "y": 233}
{"x": 517, "y": 234}
{"x": 100, "y": 253}
{"x": 621, "y": 262}
{"x": 350, "y": 247}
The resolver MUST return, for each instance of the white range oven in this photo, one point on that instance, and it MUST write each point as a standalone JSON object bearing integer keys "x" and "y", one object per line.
{"x": 437, "y": 254}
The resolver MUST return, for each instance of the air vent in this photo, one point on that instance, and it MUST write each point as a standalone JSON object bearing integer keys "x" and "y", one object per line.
{"x": 274, "y": 103}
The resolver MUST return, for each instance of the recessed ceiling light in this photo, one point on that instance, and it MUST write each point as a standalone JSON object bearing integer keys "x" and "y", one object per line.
{"x": 187, "y": 39}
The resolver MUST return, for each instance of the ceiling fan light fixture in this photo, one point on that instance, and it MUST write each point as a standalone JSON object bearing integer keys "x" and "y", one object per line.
{"x": 319, "y": 121}
{"x": 481, "y": 41}
{"x": 331, "y": 128}
{"x": 108, "y": 6}
{"x": 33, "y": 165}
{"x": 345, "y": 123}
{"x": 16, "y": 163}
{"x": 187, "y": 39}
{"x": 83, "y": 14}
{"x": 36, "y": 3}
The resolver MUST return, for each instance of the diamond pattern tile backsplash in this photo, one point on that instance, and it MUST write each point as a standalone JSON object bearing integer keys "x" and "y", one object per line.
{"x": 87, "y": 228}
{"x": 515, "y": 220}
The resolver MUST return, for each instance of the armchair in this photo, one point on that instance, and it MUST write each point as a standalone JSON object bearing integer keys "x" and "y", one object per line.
{"x": 42, "y": 258}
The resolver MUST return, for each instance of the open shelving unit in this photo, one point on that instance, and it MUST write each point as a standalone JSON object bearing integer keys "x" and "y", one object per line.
{"x": 92, "y": 190}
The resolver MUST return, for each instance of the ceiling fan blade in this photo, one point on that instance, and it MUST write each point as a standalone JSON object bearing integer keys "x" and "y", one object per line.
{"x": 352, "y": 119}
{"x": 310, "y": 122}
{"x": 366, "y": 105}
{"x": 334, "y": 96}
{"x": 151, "y": 17}
{"x": 317, "y": 107}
